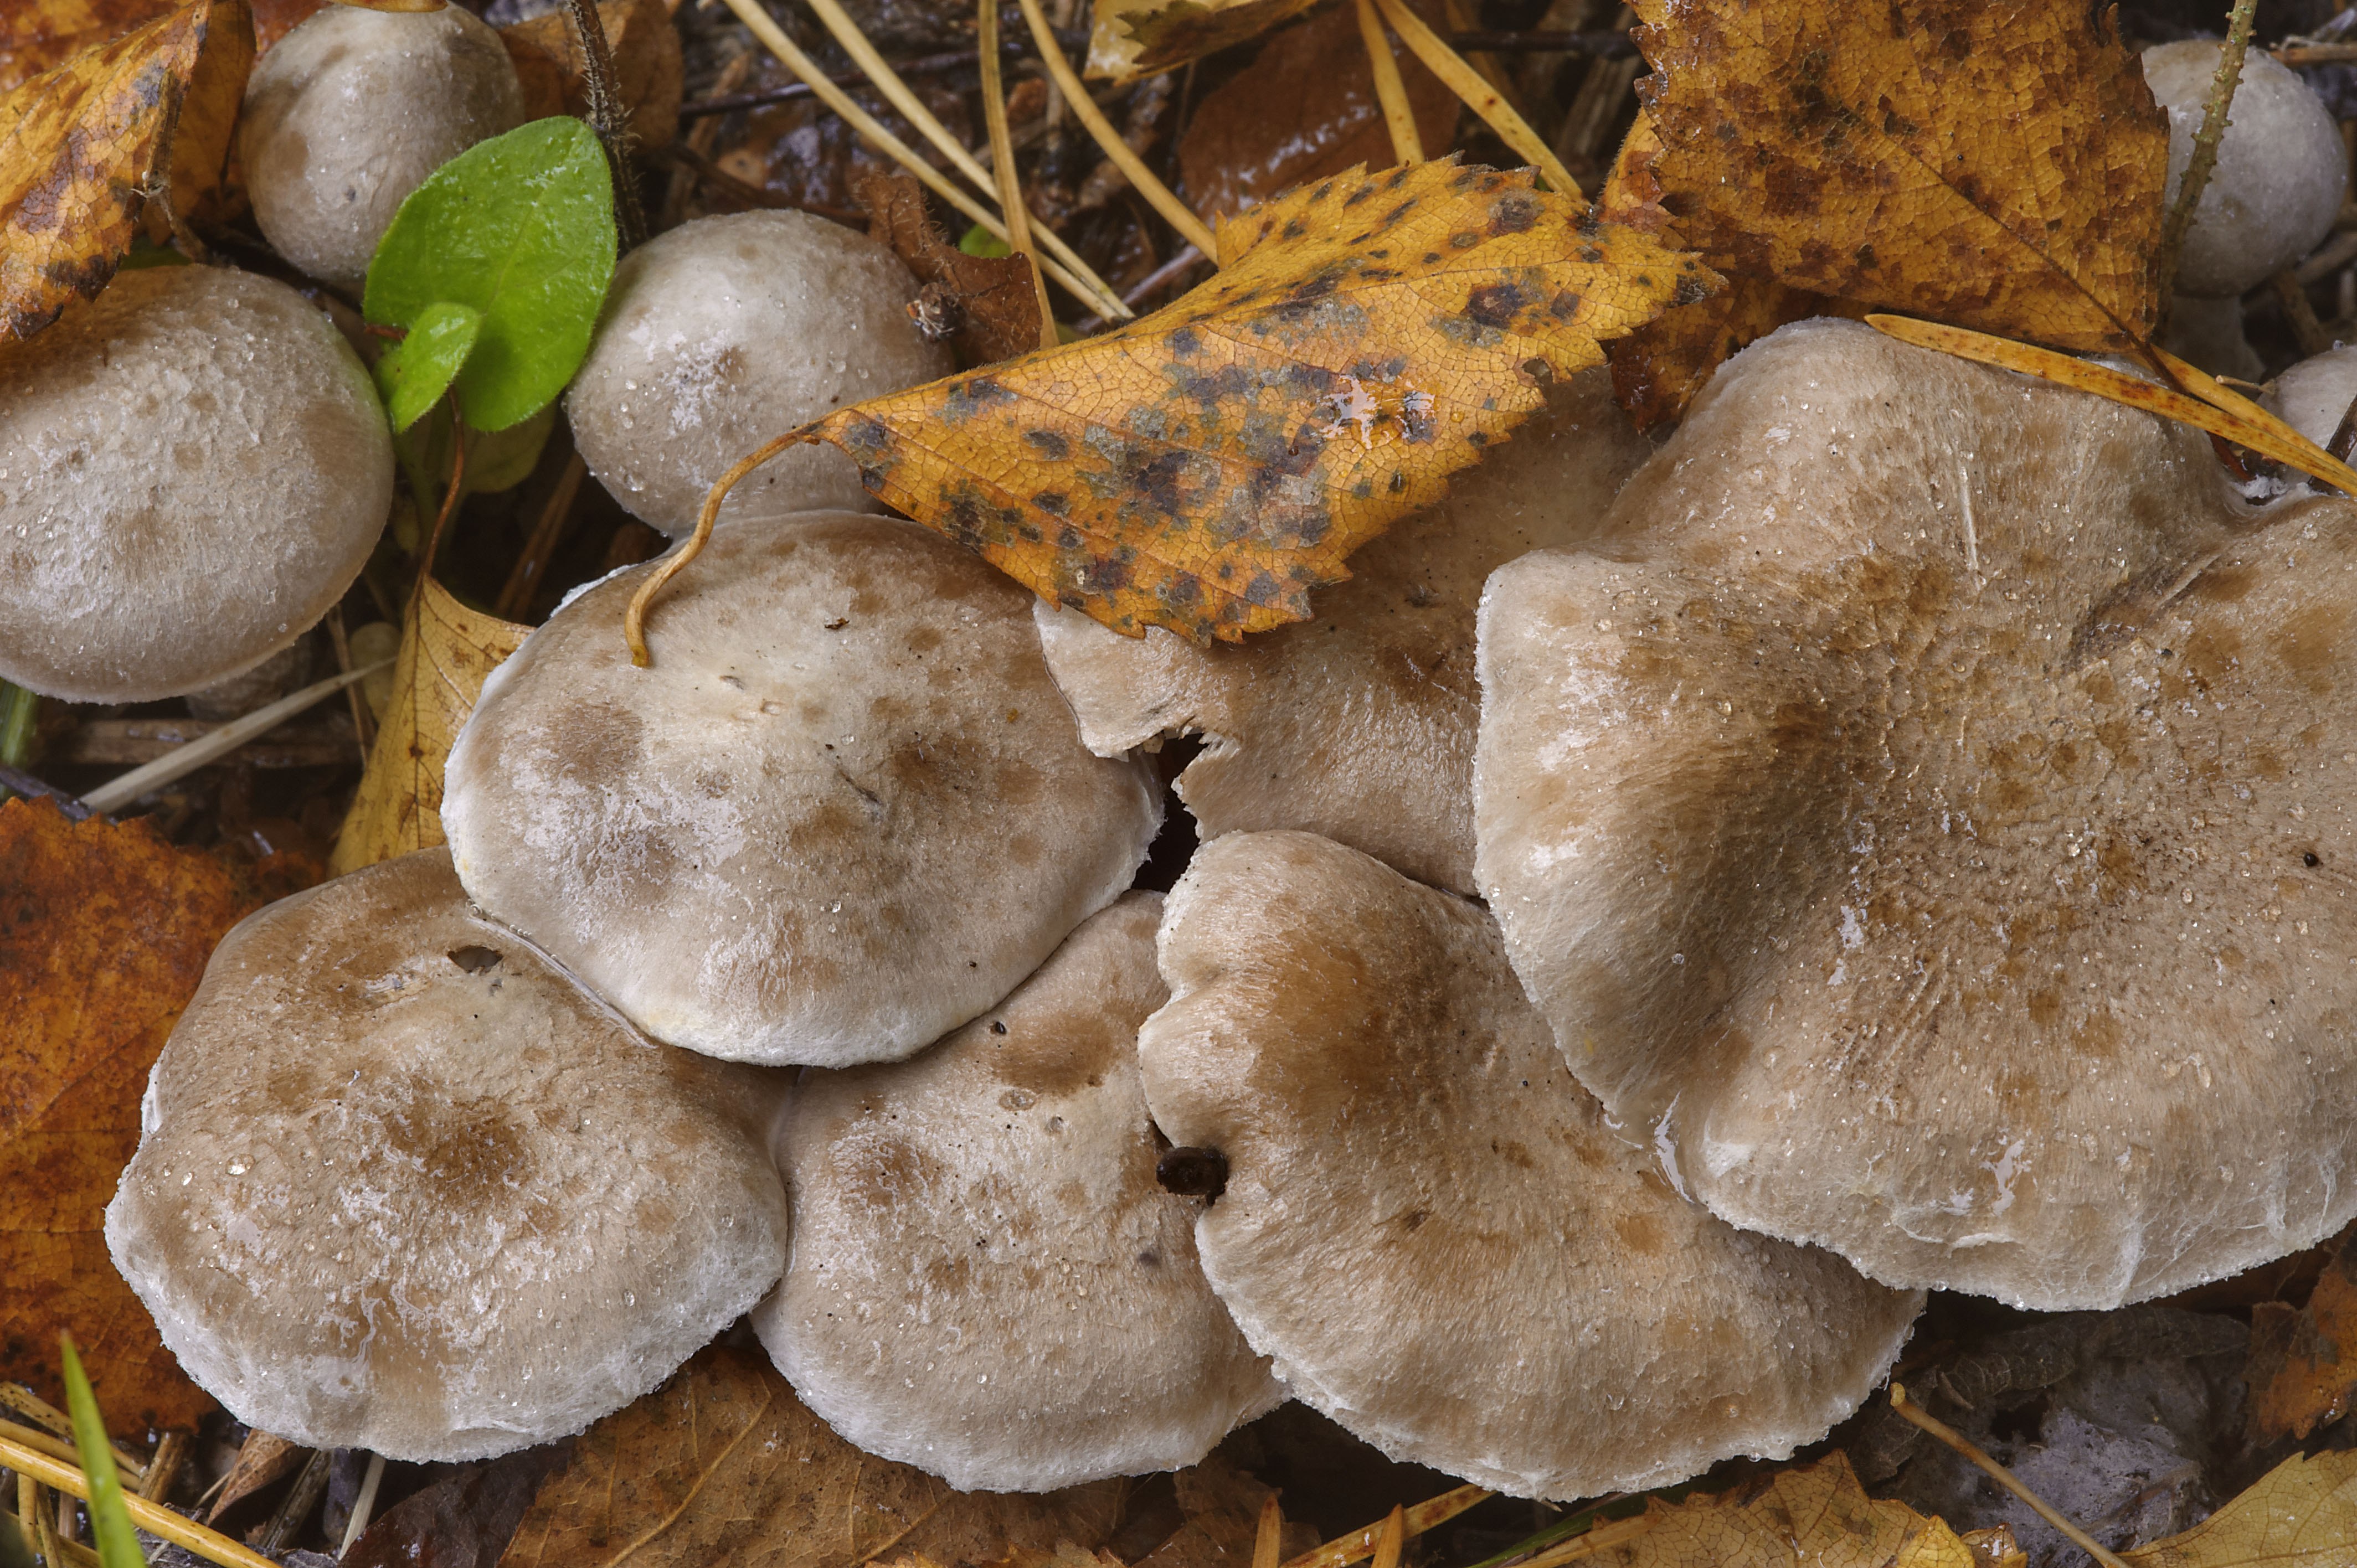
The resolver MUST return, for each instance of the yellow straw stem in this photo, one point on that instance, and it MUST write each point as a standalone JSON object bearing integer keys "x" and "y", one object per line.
{"x": 887, "y": 82}
{"x": 1143, "y": 179}
{"x": 1479, "y": 96}
{"x": 1360, "y": 1545}
{"x": 791, "y": 56}
{"x": 153, "y": 1518}
{"x": 1399, "y": 118}
{"x": 1002, "y": 162}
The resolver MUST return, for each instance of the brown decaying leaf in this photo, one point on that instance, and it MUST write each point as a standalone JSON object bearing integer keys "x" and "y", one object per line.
{"x": 1996, "y": 164}
{"x": 104, "y": 931}
{"x": 1814, "y": 1516}
{"x": 724, "y": 1465}
{"x": 2301, "y": 1514}
{"x": 2303, "y": 1365}
{"x": 82, "y": 147}
{"x": 262, "y": 1458}
{"x": 1303, "y": 110}
{"x": 446, "y": 652}
{"x": 996, "y": 309}
{"x": 647, "y": 66}
{"x": 1132, "y": 39}
{"x": 41, "y": 34}
{"x": 463, "y": 1520}
{"x": 1205, "y": 467}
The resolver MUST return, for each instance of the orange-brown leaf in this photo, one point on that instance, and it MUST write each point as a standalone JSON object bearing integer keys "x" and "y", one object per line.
{"x": 105, "y": 931}
{"x": 647, "y": 65}
{"x": 1993, "y": 163}
{"x": 83, "y": 145}
{"x": 2303, "y": 1365}
{"x": 994, "y": 309}
{"x": 1202, "y": 468}
{"x": 41, "y": 35}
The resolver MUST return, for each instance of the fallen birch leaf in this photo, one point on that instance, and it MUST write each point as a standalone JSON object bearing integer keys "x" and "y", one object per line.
{"x": 1814, "y": 1516}
{"x": 1994, "y": 163}
{"x": 2301, "y": 1514}
{"x": 724, "y": 1465}
{"x": 1131, "y": 38}
{"x": 992, "y": 311}
{"x": 1203, "y": 468}
{"x": 84, "y": 145}
{"x": 105, "y": 931}
{"x": 446, "y": 652}
{"x": 2303, "y": 1364}
{"x": 647, "y": 66}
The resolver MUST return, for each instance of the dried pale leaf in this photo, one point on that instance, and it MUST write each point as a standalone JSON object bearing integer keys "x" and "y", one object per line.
{"x": 1205, "y": 467}
{"x": 1998, "y": 164}
{"x": 1814, "y": 1516}
{"x": 447, "y": 651}
{"x": 2301, "y": 1514}
{"x": 724, "y": 1465}
{"x": 107, "y": 929}
{"x": 2303, "y": 1365}
{"x": 1138, "y": 38}
{"x": 263, "y": 1459}
{"x": 996, "y": 309}
{"x": 82, "y": 147}
{"x": 647, "y": 66}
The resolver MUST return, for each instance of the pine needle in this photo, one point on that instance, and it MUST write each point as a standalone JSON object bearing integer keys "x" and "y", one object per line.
{"x": 1399, "y": 116}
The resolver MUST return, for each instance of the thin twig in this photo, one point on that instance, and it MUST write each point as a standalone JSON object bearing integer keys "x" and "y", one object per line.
{"x": 1002, "y": 158}
{"x": 171, "y": 1452}
{"x": 609, "y": 116}
{"x": 2299, "y": 314}
{"x": 17, "y": 781}
{"x": 1479, "y": 96}
{"x": 299, "y": 1501}
{"x": 515, "y": 594}
{"x": 1399, "y": 116}
{"x": 2205, "y": 143}
{"x": 153, "y": 1518}
{"x": 2002, "y": 1477}
{"x": 181, "y": 761}
{"x": 456, "y": 488}
{"x": 363, "y": 730}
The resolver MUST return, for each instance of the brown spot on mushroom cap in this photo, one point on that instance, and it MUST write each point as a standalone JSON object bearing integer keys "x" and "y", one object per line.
{"x": 1528, "y": 1304}
{"x": 1359, "y": 723}
{"x": 1894, "y": 829}
{"x": 391, "y": 1200}
{"x": 193, "y": 468}
{"x": 986, "y": 1279}
{"x": 746, "y": 852}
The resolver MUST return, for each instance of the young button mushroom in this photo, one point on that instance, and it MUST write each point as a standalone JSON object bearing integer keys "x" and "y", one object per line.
{"x": 2314, "y": 395}
{"x": 1429, "y": 1225}
{"x": 349, "y": 113}
{"x": 986, "y": 1281}
{"x": 2280, "y": 174}
{"x": 1930, "y": 825}
{"x": 1359, "y": 724}
{"x": 725, "y": 331}
{"x": 193, "y": 468}
{"x": 403, "y": 1185}
{"x": 844, "y": 813}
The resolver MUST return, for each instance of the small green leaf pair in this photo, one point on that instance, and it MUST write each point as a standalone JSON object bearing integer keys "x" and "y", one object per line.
{"x": 495, "y": 268}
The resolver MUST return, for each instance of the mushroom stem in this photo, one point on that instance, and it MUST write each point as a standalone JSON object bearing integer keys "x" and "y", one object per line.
{"x": 1484, "y": 100}
{"x": 38, "y": 1469}
{"x": 1399, "y": 118}
{"x": 2205, "y": 142}
{"x": 2003, "y": 1478}
{"x": 1002, "y": 166}
{"x": 1360, "y": 1545}
{"x": 634, "y": 620}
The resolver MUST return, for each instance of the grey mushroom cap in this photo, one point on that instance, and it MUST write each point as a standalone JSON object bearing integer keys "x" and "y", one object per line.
{"x": 403, "y": 1185}
{"x": 1428, "y": 1224}
{"x": 193, "y": 469}
{"x": 721, "y": 333}
{"x": 1359, "y": 723}
{"x": 986, "y": 1279}
{"x": 1928, "y": 818}
{"x": 844, "y": 812}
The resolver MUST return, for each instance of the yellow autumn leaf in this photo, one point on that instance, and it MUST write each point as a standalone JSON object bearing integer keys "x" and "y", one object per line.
{"x": 1132, "y": 39}
{"x": 1816, "y": 1516}
{"x": 1204, "y": 467}
{"x": 2301, "y": 1514}
{"x": 446, "y": 652}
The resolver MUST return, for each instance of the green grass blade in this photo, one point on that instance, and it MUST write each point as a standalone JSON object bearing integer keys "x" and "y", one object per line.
{"x": 109, "y": 1520}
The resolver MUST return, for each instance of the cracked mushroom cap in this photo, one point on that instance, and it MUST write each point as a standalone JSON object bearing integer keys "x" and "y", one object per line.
{"x": 403, "y": 1185}
{"x": 844, "y": 813}
{"x": 986, "y": 1281}
{"x": 1359, "y": 724}
{"x": 193, "y": 469}
{"x": 1929, "y": 824}
{"x": 1428, "y": 1225}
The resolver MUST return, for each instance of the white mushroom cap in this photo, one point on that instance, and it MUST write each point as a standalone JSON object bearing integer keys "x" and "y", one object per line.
{"x": 350, "y": 111}
{"x": 1932, "y": 824}
{"x": 193, "y": 469}
{"x": 2281, "y": 169}
{"x": 2314, "y": 395}
{"x": 726, "y": 330}
{"x": 844, "y": 813}
{"x": 403, "y": 1185}
{"x": 1428, "y": 1224}
{"x": 1359, "y": 724}
{"x": 986, "y": 1281}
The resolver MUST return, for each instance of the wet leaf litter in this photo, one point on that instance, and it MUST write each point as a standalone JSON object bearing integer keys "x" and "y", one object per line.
{"x": 1343, "y": 555}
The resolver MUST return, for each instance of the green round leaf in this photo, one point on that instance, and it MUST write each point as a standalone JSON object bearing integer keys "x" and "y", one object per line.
{"x": 519, "y": 230}
{"x": 415, "y": 372}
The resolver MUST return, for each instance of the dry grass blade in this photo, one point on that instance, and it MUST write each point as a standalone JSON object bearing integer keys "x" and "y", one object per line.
{"x": 1480, "y": 96}
{"x": 184, "y": 760}
{"x": 1269, "y": 1540}
{"x": 153, "y": 1518}
{"x": 1002, "y": 164}
{"x": 1393, "y": 1540}
{"x": 1399, "y": 119}
{"x": 1360, "y": 1545}
{"x": 33, "y": 1408}
{"x": 2003, "y": 1477}
{"x": 2229, "y": 415}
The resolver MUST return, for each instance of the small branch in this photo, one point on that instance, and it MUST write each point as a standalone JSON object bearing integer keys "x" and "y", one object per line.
{"x": 2003, "y": 1477}
{"x": 2300, "y": 313}
{"x": 609, "y": 116}
{"x": 515, "y": 594}
{"x": 1002, "y": 157}
{"x": 17, "y": 781}
{"x": 183, "y": 760}
{"x": 1399, "y": 116}
{"x": 2205, "y": 144}
{"x": 363, "y": 727}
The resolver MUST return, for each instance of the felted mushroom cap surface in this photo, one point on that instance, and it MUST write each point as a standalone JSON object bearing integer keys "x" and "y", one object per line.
{"x": 193, "y": 468}
{"x": 1359, "y": 724}
{"x": 986, "y": 1281}
{"x": 1929, "y": 823}
{"x": 721, "y": 333}
{"x": 1427, "y": 1223}
{"x": 403, "y": 1185}
{"x": 844, "y": 813}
